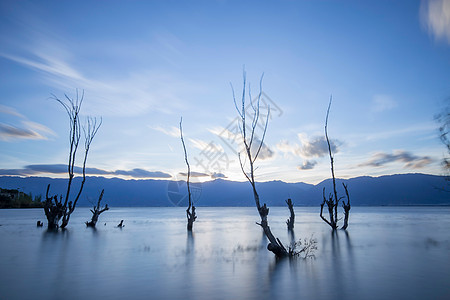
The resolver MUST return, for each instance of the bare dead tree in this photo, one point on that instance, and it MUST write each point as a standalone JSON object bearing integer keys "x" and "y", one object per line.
{"x": 346, "y": 207}
{"x": 190, "y": 211}
{"x": 252, "y": 148}
{"x": 333, "y": 201}
{"x": 291, "y": 220}
{"x": 96, "y": 211}
{"x": 444, "y": 127}
{"x": 72, "y": 107}
{"x": 53, "y": 209}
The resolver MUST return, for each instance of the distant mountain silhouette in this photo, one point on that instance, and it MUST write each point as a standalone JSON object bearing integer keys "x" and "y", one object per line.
{"x": 404, "y": 189}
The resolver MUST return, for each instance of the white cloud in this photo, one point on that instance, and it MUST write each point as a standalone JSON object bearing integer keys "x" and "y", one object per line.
{"x": 171, "y": 131}
{"x": 310, "y": 146}
{"x": 435, "y": 15}
{"x": 382, "y": 103}
{"x": 307, "y": 165}
{"x": 202, "y": 145}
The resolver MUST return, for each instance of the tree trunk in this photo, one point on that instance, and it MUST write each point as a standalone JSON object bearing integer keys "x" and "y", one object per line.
{"x": 96, "y": 211}
{"x": 346, "y": 208}
{"x": 291, "y": 220}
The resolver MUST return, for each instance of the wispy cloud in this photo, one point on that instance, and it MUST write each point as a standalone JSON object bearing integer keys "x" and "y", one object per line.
{"x": 132, "y": 93}
{"x": 409, "y": 160}
{"x": 23, "y": 128}
{"x": 235, "y": 140}
{"x": 435, "y": 15}
{"x": 382, "y": 103}
{"x": 170, "y": 131}
{"x": 62, "y": 169}
{"x": 202, "y": 145}
{"x": 194, "y": 174}
{"x": 10, "y": 111}
{"x": 200, "y": 174}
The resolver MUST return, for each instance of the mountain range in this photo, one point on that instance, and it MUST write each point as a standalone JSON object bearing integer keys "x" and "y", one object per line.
{"x": 392, "y": 190}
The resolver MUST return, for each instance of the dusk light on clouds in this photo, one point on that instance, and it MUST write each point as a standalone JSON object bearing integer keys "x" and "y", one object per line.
{"x": 145, "y": 64}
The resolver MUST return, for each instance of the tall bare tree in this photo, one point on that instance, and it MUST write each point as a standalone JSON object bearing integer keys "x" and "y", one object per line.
{"x": 252, "y": 149}
{"x": 190, "y": 211}
{"x": 444, "y": 127}
{"x": 54, "y": 209}
{"x": 333, "y": 201}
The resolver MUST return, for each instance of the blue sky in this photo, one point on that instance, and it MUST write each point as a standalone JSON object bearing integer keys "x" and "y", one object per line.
{"x": 144, "y": 64}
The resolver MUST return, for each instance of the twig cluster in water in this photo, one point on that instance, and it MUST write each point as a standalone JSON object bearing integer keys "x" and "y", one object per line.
{"x": 303, "y": 249}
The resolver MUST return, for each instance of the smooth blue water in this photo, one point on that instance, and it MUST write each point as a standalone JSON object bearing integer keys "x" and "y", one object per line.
{"x": 387, "y": 253}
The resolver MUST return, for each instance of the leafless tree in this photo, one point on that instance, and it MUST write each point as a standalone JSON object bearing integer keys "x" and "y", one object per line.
{"x": 444, "y": 127}
{"x": 252, "y": 148}
{"x": 97, "y": 210}
{"x": 55, "y": 210}
{"x": 190, "y": 211}
{"x": 333, "y": 201}
{"x": 291, "y": 220}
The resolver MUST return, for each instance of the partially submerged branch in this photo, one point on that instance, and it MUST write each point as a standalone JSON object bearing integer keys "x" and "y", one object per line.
{"x": 303, "y": 249}
{"x": 346, "y": 207}
{"x": 96, "y": 211}
{"x": 291, "y": 220}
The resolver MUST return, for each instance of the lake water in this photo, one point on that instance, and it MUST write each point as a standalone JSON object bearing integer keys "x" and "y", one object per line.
{"x": 387, "y": 253}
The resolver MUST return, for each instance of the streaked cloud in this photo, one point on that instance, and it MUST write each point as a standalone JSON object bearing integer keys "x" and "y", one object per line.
{"x": 132, "y": 93}
{"x": 10, "y": 111}
{"x": 62, "y": 169}
{"x": 194, "y": 174}
{"x": 209, "y": 146}
{"x": 170, "y": 131}
{"x": 22, "y": 128}
{"x": 409, "y": 160}
{"x": 435, "y": 16}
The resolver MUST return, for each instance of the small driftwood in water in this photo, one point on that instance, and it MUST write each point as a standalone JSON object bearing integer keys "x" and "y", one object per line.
{"x": 96, "y": 211}
{"x": 190, "y": 211}
{"x": 291, "y": 220}
{"x": 39, "y": 224}
{"x": 121, "y": 224}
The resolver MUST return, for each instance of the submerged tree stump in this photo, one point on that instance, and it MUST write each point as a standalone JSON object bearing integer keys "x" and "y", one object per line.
{"x": 96, "y": 211}
{"x": 291, "y": 220}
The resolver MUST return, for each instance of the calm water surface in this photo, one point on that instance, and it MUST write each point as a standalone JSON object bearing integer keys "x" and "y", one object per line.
{"x": 387, "y": 253}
